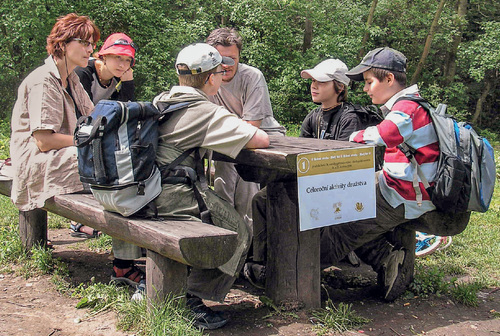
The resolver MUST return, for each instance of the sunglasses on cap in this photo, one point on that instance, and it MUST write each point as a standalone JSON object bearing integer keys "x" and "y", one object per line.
{"x": 122, "y": 42}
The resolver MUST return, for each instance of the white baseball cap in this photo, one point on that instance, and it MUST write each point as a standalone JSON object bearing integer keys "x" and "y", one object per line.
{"x": 200, "y": 57}
{"x": 328, "y": 70}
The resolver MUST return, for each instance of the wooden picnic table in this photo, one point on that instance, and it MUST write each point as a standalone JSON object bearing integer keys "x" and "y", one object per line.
{"x": 293, "y": 261}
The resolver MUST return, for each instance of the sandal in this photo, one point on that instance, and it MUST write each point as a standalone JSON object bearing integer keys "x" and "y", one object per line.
{"x": 132, "y": 278}
{"x": 78, "y": 233}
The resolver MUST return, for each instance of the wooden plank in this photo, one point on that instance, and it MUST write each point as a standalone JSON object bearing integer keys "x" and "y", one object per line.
{"x": 5, "y": 186}
{"x": 293, "y": 269}
{"x": 189, "y": 242}
{"x": 32, "y": 224}
{"x": 164, "y": 276}
{"x": 282, "y": 153}
{"x": 33, "y": 228}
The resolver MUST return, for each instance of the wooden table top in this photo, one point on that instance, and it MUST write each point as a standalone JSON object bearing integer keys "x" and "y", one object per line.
{"x": 282, "y": 152}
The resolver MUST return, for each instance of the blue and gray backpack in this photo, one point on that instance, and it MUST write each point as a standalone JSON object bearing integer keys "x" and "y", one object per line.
{"x": 117, "y": 152}
{"x": 466, "y": 168}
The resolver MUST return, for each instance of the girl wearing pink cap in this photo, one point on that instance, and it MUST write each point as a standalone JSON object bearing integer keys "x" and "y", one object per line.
{"x": 109, "y": 75}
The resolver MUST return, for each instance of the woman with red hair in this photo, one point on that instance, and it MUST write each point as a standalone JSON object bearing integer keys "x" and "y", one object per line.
{"x": 50, "y": 100}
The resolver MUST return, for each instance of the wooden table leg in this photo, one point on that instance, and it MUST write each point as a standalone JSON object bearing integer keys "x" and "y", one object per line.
{"x": 164, "y": 276}
{"x": 293, "y": 262}
{"x": 33, "y": 228}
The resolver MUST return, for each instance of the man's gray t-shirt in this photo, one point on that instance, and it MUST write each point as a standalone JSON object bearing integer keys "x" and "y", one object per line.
{"x": 247, "y": 96}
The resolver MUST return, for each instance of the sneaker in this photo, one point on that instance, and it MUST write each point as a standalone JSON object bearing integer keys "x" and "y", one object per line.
{"x": 203, "y": 316}
{"x": 393, "y": 277}
{"x": 255, "y": 274}
{"x": 140, "y": 291}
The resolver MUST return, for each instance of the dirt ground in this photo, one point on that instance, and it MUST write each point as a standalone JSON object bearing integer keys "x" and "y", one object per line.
{"x": 34, "y": 307}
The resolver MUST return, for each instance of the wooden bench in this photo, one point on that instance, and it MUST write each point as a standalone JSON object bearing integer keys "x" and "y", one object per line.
{"x": 171, "y": 246}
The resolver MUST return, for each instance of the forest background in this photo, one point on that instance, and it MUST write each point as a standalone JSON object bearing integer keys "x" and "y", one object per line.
{"x": 452, "y": 46}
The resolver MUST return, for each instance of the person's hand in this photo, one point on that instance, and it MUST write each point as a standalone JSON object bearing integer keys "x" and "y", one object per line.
{"x": 128, "y": 75}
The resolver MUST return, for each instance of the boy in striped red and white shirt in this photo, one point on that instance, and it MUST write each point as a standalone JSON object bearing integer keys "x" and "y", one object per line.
{"x": 398, "y": 201}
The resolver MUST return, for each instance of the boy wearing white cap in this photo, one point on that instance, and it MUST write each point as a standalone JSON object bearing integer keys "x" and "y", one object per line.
{"x": 209, "y": 126}
{"x": 335, "y": 119}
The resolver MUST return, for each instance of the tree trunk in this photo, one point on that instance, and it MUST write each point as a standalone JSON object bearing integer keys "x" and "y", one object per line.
{"x": 451, "y": 64}
{"x": 367, "y": 29}
{"x": 480, "y": 101}
{"x": 308, "y": 33}
{"x": 428, "y": 43}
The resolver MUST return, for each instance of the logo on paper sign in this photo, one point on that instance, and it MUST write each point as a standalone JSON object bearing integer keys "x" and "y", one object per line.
{"x": 359, "y": 207}
{"x": 303, "y": 165}
{"x": 336, "y": 207}
{"x": 314, "y": 214}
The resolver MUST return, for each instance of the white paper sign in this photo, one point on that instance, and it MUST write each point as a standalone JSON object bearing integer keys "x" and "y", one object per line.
{"x": 336, "y": 186}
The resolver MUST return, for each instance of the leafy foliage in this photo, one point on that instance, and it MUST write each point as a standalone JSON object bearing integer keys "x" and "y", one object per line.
{"x": 273, "y": 33}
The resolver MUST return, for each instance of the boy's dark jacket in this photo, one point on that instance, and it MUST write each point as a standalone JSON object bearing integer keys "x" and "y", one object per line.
{"x": 340, "y": 122}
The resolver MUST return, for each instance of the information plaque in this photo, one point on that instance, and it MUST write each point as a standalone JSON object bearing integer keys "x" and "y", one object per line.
{"x": 336, "y": 186}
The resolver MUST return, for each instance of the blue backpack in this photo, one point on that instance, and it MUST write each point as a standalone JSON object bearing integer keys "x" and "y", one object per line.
{"x": 117, "y": 153}
{"x": 466, "y": 168}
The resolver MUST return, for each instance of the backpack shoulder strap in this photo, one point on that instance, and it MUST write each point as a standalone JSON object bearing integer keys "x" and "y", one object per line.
{"x": 167, "y": 108}
{"x": 417, "y": 99}
{"x": 409, "y": 151}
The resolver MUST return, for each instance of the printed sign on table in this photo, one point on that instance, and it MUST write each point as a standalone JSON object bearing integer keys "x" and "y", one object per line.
{"x": 336, "y": 186}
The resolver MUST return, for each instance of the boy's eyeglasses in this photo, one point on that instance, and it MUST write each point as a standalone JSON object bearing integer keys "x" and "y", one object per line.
{"x": 123, "y": 42}
{"x": 223, "y": 72}
{"x": 84, "y": 43}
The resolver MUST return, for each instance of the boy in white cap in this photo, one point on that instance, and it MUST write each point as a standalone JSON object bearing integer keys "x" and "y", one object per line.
{"x": 209, "y": 126}
{"x": 334, "y": 119}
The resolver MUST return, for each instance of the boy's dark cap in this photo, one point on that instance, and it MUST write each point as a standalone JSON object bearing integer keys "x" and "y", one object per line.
{"x": 383, "y": 58}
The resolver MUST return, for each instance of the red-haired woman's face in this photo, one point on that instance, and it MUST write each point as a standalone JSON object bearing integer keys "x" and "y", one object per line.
{"x": 66, "y": 29}
{"x": 78, "y": 51}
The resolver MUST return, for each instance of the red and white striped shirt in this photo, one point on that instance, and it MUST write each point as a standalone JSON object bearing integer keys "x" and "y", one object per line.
{"x": 405, "y": 121}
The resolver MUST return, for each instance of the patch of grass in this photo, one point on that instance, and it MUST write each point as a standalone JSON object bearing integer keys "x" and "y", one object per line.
{"x": 169, "y": 317}
{"x": 99, "y": 297}
{"x": 339, "y": 318}
{"x": 473, "y": 254}
{"x": 57, "y": 222}
{"x": 100, "y": 244}
{"x": 41, "y": 261}
{"x": 429, "y": 280}
{"x": 466, "y": 293}
{"x": 11, "y": 249}
{"x": 284, "y": 310}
